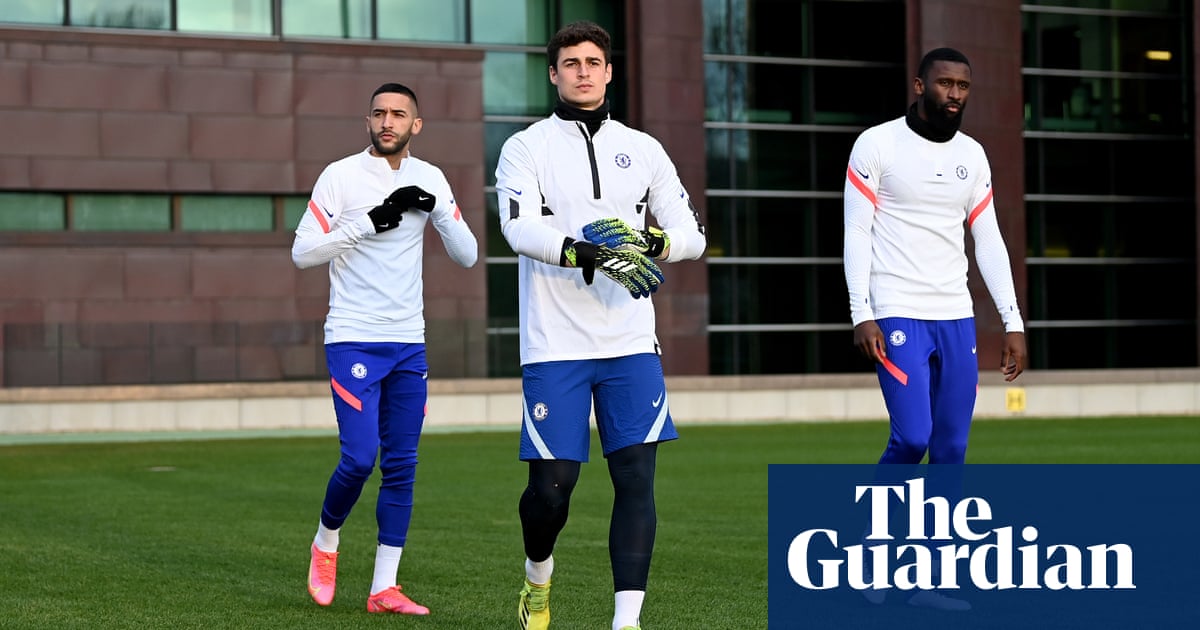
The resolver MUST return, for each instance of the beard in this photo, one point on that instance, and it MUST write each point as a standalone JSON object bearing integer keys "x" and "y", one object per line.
{"x": 937, "y": 116}
{"x": 399, "y": 147}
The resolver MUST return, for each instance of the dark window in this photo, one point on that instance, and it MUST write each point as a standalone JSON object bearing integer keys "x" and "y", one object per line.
{"x": 1110, "y": 184}
{"x": 784, "y": 353}
{"x": 789, "y": 85}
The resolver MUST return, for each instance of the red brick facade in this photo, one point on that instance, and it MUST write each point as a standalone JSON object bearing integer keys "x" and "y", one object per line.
{"x": 93, "y": 111}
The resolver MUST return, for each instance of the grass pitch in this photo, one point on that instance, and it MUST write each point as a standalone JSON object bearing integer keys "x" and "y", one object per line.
{"x": 215, "y": 533}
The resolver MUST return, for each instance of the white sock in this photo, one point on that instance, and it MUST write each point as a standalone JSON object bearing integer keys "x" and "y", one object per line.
{"x": 539, "y": 572}
{"x": 326, "y": 539}
{"x": 387, "y": 565}
{"x": 628, "y": 609}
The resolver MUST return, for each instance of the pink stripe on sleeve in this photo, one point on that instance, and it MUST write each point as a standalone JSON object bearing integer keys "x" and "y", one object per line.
{"x": 979, "y": 208}
{"x": 861, "y": 186}
{"x": 320, "y": 214}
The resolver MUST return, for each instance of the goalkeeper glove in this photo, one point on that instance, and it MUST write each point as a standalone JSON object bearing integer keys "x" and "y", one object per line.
{"x": 638, "y": 274}
{"x": 614, "y": 233}
{"x": 387, "y": 215}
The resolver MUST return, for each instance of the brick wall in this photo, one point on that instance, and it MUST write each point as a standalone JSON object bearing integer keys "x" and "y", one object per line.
{"x": 93, "y": 111}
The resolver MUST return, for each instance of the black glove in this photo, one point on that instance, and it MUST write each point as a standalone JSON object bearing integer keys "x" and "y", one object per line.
{"x": 387, "y": 215}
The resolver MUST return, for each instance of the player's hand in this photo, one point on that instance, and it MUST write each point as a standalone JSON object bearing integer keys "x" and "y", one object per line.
{"x": 632, "y": 270}
{"x": 868, "y": 338}
{"x": 412, "y": 197}
{"x": 1012, "y": 361}
{"x": 614, "y": 233}
{"x": 637, "y": 273}
{"x": 387, "y": 215}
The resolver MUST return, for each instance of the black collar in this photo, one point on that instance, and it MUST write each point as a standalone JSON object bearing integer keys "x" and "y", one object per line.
{"x": 922, "y": 128}
{"x": 590, "y": 117}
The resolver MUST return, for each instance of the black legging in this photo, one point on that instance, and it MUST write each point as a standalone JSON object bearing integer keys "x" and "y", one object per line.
{"x": 546, "y": 501}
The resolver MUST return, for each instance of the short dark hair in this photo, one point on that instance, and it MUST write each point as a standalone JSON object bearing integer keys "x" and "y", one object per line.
{"x": 395, "y": 88}
{"x": 940, "y": 54}
{"x": 576, "y": 33}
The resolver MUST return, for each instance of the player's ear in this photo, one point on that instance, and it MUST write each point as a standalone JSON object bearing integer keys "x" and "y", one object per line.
{"x": 416, "y": 127}
{"x": 918, "y": 86}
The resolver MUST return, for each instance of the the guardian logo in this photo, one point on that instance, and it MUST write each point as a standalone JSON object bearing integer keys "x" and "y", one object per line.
{"x": 959, "y": 546}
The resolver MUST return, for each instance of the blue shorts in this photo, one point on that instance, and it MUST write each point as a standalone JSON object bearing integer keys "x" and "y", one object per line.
{"x": 631, "y": 406}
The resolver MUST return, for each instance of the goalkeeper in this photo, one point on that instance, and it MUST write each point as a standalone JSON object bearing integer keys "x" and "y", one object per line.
{"x": 575, "y": 191}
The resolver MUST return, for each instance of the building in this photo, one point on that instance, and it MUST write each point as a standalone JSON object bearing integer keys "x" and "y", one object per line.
{"x": 156, "y": 155}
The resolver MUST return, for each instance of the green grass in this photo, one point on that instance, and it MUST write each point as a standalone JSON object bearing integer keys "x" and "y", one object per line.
{"x": 215, "y": 533}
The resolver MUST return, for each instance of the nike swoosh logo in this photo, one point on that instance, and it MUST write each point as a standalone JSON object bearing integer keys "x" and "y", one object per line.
{"x": 862, "y": 174}
{"x": 657, "y": 401}
{"x": 328, "y": 213}
{"x": 972, "y": 349}
{"x": 422, "y": 198}
{"x": 512, "y": 190}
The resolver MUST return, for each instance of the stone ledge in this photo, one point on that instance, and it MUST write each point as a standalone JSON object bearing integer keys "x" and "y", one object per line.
{"x": 301, "y": 389}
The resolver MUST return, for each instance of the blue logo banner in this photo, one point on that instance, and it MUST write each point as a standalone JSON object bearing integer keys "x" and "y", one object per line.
{"x": 983, "y": 546}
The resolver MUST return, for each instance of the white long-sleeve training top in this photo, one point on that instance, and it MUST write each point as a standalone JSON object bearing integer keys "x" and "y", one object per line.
{"x": 375, "y": 280}
{"x": 907, "y": 200}
{"x": 551, "y": 180}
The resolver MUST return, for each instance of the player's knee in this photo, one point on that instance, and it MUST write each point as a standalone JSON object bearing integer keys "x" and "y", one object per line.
{"x": 397, "y": 464}
{"x": 398, "y": 476}
{"x": 906, "y": 449}
{"x": 551, "y": 483}
{"x": 948, "y": 453}
{"x": 551, "y": 496}
{"x": 632, "y": 469}
{"x": 355, "y": 467}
